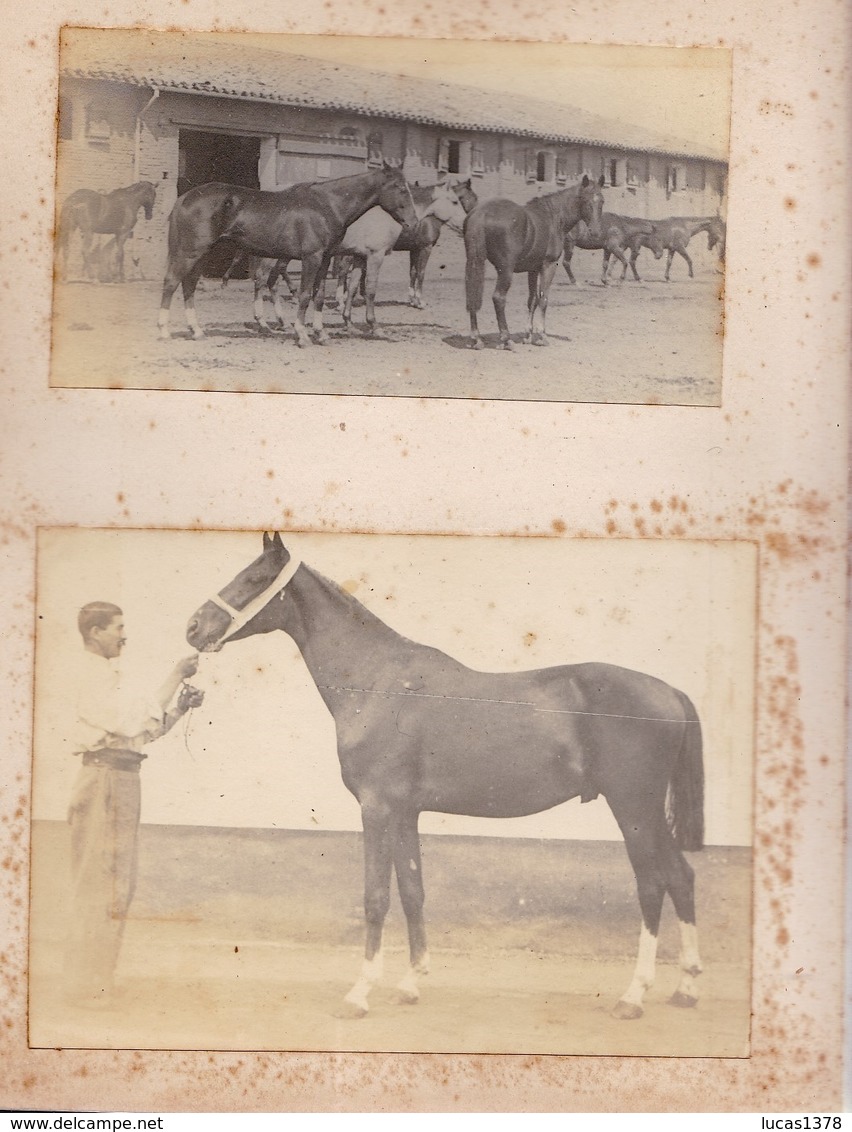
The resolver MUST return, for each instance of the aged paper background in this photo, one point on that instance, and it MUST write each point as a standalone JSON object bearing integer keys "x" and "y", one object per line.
{"x": 768, "y": 466}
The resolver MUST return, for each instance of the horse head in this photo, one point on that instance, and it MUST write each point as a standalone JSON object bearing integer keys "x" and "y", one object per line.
{"x": 590, "y": 203}
{"x": 465, "y": 195}
{"x": 395, "y": 196}
{"x": 147, "y": 196}
{"x": 446, "y": 208}
{"x": 654, "y": 242}
{"x": 241, "y": 608}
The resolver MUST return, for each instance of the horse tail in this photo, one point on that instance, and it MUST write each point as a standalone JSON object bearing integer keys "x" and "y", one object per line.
{"x": 685, "y": 800}
{"x": 474, "y": 268}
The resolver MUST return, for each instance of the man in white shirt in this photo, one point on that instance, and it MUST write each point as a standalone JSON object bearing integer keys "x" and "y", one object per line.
{"x": 111, "y": 731}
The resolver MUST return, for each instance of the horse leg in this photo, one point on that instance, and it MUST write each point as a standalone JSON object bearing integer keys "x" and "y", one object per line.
{"x": 634, "y": 255}
{"x": 680, "y": 882}
{"x": 119, "y": 255}
{"x": 86, "y": 240}
{"x": 378, "y": 856}
{"x": 188, "y": 285}
{"x": 622, "y": 258}
{"x": 566, "y": 263}
{"x": 261, "y": 290}
{"x": 351, "y": 278}
{"x": 504, "y": 282}
{"x": 669, "y": 263}
{"x": 409, "y": 877}
{"x": 605, "y": 267}
{"x": 371, "y": 282}
{"x": 307, "y": 285}
{"x": 318, "y": 299}
{"x": 539, "y": 286}
{"x": 641, "y": 847}
{"x": 419, "y": 260}
{"x": 279, "y": 272}
{"x": 685, "y": 255}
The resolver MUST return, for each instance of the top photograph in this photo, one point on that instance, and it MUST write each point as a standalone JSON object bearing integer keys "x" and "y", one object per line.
{"x": 390, "y": 218}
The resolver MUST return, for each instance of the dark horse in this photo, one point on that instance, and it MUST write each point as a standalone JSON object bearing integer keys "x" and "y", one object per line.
{"x": 528, "y": 238}
{"x": 420, "y": 240}
{"x": 304, "y": 222}
{"x": 617, "y": 235}
{"x": 417, "y": 730}
{"x": 108, "y": 214}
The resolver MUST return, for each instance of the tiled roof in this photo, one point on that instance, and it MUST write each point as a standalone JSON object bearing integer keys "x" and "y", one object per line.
{"x": 207, "y": 65}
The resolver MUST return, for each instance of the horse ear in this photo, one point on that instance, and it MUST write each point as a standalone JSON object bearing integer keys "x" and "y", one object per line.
{"x": 585, "y": 180}
{"x": 267, "y": 541}
{"x": 276, "y": 541}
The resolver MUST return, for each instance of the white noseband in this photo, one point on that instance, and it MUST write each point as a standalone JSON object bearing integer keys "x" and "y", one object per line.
{"x": 241, "y": 617}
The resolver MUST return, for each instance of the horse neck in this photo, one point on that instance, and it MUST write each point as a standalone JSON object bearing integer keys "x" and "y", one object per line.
{"x": 338, "y": 637}
{"x": 350, "y": 197}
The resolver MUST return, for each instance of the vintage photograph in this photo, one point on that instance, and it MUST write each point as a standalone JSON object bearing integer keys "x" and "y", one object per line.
{"x": 327, "y": 792}
{"x": 404, "y": 218}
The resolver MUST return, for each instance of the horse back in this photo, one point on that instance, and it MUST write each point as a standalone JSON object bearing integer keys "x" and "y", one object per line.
{"x": 516, "y": 237}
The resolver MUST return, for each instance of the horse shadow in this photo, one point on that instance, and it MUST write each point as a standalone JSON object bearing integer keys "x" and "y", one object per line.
{"x": 492, "y": 342}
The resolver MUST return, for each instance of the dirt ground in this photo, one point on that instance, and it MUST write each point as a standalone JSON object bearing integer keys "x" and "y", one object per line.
{"x": 248, "y": 940}
{"x": 636, "y": 343}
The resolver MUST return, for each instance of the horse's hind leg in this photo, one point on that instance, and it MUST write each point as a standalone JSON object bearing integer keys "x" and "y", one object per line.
{"x": 409, "y": 877}
{"x": 504, "y": 282}
{"x": 539, "y": 288}
{"x": 680, "y": 878}
{"x": 641, "y": 843}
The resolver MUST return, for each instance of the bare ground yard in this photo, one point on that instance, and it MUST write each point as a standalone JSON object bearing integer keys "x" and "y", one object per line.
{"x": 249, "y": 939}
{"x": 637, "y": 343}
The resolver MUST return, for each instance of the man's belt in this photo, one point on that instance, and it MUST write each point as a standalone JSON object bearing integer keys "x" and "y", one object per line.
{"x": 114, "y": 759}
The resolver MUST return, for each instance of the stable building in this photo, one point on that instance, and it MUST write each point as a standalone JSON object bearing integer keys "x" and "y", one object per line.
{"x": 181, "y": 110}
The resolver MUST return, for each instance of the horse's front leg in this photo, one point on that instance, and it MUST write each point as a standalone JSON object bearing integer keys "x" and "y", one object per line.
{"x": 378, "y": 855}
{"x": 371, "y": 283}
{"x": 419, "y": 260}
{"x": 262, "y": 287}
{"x": 409, "y": 877}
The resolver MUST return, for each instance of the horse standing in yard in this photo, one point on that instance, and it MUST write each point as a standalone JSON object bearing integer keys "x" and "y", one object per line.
{"x": 420, "y": 240}
{"x": 675, "y": 233}
{"x": 109, "y": 214}
{"x": 369, "y": 240}
{"x": 617, "y": 234}
{"x": 530, "y": 238}
{"x": 304, "y": 222}
{"x": 417, "y": 730}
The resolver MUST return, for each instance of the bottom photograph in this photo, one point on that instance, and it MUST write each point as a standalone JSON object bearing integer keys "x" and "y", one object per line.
{"x": 392, "y": 793}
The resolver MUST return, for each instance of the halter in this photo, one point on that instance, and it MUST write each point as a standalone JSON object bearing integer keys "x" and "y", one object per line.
{"x": 241, "y": 617}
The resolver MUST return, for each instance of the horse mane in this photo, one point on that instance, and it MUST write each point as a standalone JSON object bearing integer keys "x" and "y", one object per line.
{"x": 349, "y": 606}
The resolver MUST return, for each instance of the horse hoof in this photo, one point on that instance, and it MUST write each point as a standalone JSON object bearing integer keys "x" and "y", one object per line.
{"x": 402, "y": 997}
{"x": 540, "y": 340}
{"x": 197, "y": 335}
{"x": 350, "y": 1011}
{"x": 627, "y": 1011}
{"x": 507, "y": 345}
{"x": 683, "y": 1000}
{"x": 477, "y": 344}
{"x": 321, "y": 339}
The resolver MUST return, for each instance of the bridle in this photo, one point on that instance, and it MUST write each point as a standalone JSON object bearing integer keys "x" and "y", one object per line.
{"x": 241, "y": 617}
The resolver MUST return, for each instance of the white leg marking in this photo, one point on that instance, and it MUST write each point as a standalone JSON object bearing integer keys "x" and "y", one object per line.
{"x": 371, "y": 973}
{"x": 643, "y": 975}
{"x": 163, "y": 322}
{"x": 690, "y": 965}
{"x": 192, "y": 323}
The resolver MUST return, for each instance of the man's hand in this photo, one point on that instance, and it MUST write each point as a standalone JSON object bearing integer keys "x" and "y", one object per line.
{"x": 189, "y": 698}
